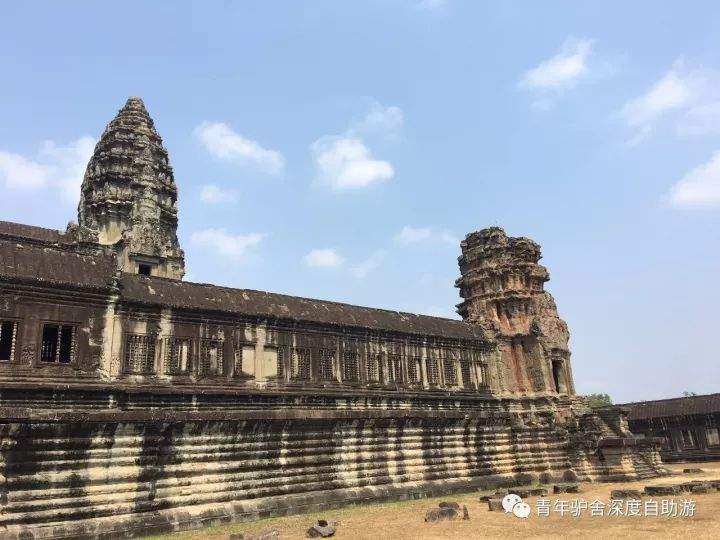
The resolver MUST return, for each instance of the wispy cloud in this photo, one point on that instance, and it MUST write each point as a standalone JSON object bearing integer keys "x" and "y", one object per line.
{"x": 563, "y": 70}
{"x": 323, "y": 258}
{"x": 414, "y": 235}
{"x": 373, "y": 262}
{"x": 222, "y": 242}
{"x": 212, "y": 194}
{"x": 385, "y": 121}
{"x": 345, "y": 162}
{"x": 689, "y": 96}
{"x": 556, "y": 75}
{"x": 700, "y": 187}
{"x": 222, "y": 142}
{"x": 57, "y": 166}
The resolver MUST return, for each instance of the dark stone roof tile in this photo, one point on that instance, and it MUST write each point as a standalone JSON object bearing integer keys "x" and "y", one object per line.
{"x": 662, "y": 408}
{"x": 46, "y": 265}
{"x": 39, "y": 234}
{"x": 203, "y": 297}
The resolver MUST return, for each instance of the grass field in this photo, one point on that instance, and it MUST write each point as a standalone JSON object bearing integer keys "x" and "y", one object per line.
{"x": 405, "y": 520}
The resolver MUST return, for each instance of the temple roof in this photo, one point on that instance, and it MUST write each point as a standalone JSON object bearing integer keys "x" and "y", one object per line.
{"x": 662, "y": 408}
{"x": 43, "y": 256}
{"x": 10, "y": 230}
{"x": 200, "y": 296}
{"x": 46, "y": 265}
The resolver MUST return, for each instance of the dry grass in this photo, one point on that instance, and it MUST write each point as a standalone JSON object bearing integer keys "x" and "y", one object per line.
{"x": 404, "y": 520}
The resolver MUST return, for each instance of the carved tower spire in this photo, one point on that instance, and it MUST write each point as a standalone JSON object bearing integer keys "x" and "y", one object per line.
{"x": 502, "y": 286}
{"x": 129, "y": 197}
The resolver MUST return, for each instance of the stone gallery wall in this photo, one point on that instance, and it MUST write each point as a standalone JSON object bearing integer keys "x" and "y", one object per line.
{"x": 122, "y": 472}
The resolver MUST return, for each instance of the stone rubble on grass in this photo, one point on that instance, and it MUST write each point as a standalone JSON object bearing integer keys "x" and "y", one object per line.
{"x": 322, "y": 529}
{"x": 566, "y": 488}
{"x": 446, "y": 511}
{"x": 617, "y": 494}
{"x": 262, "y": 535}
{"x": 663, "y": 489}
{"x": 495, "y": 505}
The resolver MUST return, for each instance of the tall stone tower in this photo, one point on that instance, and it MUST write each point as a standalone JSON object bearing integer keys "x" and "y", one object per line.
{"x": 502, "y": 286}
{"x": 129, "y": 198}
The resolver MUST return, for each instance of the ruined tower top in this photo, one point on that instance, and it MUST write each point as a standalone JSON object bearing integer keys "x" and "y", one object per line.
{"x": 502, "y": 286}
{"x": 496, "y": 267}
{"x": 129, "y": 198}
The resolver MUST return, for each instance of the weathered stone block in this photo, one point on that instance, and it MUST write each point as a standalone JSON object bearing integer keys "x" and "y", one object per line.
{"x": 495, "y": 505}
{"x": 625, "y": 494}
{"x": 322, "y": 529}
{"x": 566, "y": 488}
{"x": 662, "y": 490}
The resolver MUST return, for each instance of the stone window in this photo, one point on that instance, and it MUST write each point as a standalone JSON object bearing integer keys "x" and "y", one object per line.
{"x": 394, "y": 371}
{"x": 281, "y": 363}
{"x": 139, "y": 354}
{"x": 325, "y": 364}
{"x": 466, "y": 372}
{"x": 350, "y": 368}
{"x": 415, "y": 370}
{"x": 144, "y": 269}
{"x": 58, "y": 343}
{"x": 300, "y": 364}
{"x": 178, "y": 355}
{"x": 450, "y": 371}
{"x": 8, "y": 335}
{"x": 433, "y": 371}
{"x": 481, "y": 374}
{"x": 211, "y": 357}
{"x": 372, "y": 368}
{"x": 713, "y": 437}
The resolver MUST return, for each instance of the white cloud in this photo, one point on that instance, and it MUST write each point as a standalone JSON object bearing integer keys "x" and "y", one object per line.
{"x": 18, "y": 172}
{"x": 346, "y": 163}
{"x": 673, "y": 91}
{"x": 414, "y": 235}
{"x": 210, "y": 193}
{"x": 563, "y": 70}
{"x": 59, "y": 167}
{"x": 323, "y": 258}
{"x": 380, "y": 120}
{"x": 368, "y": 265}
{"x": 224, "y": 143}
{"x": 700, "y": 187}
{"x": 225, "y": 243}
{"x": 689, "y": 96}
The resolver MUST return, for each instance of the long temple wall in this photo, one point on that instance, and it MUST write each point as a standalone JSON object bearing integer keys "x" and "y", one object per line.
{"x": 91, "y": 473}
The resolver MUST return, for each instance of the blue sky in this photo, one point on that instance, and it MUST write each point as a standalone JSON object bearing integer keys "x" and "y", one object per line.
{"x": 340, "y": 150}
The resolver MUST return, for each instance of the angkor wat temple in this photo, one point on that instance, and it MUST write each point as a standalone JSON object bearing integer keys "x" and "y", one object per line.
{"x": 134, "y": 402}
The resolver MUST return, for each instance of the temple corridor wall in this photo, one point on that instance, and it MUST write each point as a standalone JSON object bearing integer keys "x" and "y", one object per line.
{"x": 65, "y": 477}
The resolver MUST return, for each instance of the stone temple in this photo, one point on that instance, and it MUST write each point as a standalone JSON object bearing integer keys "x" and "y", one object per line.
{"x": 134, "y": 402}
